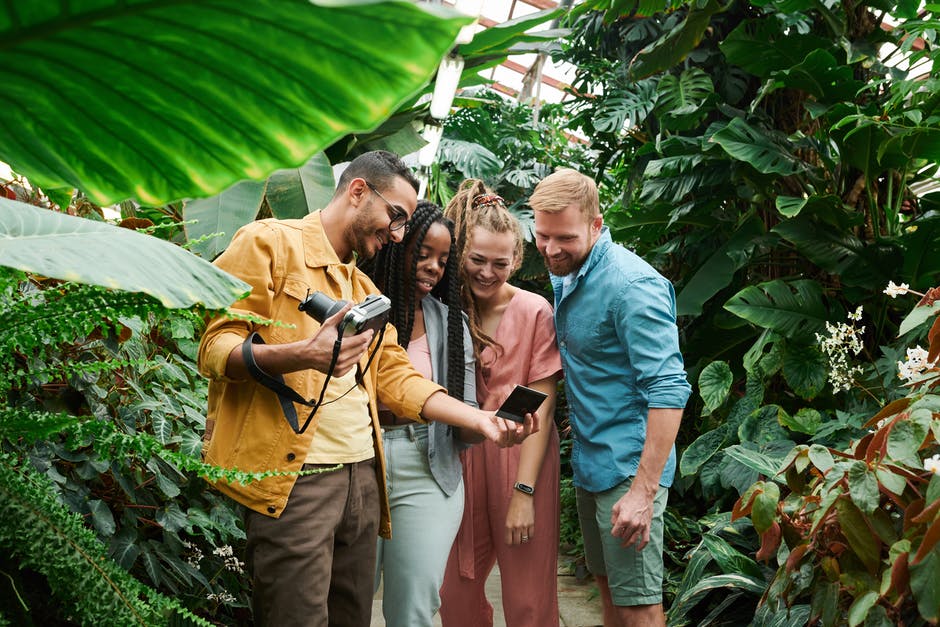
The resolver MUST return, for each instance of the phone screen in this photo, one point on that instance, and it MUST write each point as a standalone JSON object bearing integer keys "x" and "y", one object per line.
{"x": 521, "y": 401}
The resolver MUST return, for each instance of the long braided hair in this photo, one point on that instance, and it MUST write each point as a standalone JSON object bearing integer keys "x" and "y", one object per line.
{"x": 474, "y": 205}
{"x": 387, "y": 270}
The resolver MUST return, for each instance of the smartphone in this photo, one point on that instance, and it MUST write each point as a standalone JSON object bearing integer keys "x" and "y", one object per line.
{"x": 521, "y": 401}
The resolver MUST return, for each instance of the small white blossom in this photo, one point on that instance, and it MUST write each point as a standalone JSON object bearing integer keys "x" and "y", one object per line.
{"x": 896, "y": 290}
{"x": 223, "y": 551}
{"x": 933, "y": 464}
{"x": 195, "y": 555}
{"x": 915, "y": 365}
{"x": 221, "y": 597}
{"x": 842, "y": 342}
{"x": 230, "y": 562}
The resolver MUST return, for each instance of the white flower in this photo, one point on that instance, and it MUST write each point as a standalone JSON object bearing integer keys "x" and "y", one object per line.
{"x": 896, "y": 290}
{"x": 933, "y": 464}
{"x": 223, "y": 551}
{"x": 230, "y": 562}
{"x": 915, "y": 365}
{"x": 221, "y": 597}
{"x": 842, "y": 342}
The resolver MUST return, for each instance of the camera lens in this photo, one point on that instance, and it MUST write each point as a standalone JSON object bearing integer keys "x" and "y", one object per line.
{"x": 319, "y": 306}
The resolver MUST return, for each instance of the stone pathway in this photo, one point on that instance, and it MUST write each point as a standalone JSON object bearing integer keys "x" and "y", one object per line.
{"x": 578, "y": 602}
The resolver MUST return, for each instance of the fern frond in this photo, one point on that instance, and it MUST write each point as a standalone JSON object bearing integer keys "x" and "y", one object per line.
{"x": 47, "y": 537}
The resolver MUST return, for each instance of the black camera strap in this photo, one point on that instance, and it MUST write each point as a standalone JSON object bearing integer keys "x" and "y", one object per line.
{"x": 286, "y": 395}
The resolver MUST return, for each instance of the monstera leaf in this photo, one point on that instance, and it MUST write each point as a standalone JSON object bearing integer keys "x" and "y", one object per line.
{"x": 166, "y": 100}
{"x": 75, "y": 249}
{"x": 794, "y": 308}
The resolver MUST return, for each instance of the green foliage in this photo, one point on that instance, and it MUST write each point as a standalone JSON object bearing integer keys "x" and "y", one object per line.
{"x": 856, "y": 535}
{"x": 238, "y": 92}
{"x": 287, "y": 193}
{"x": 57, "y": 245}
{"x": 768, "y": 158}
{"x": 105, "y": 506}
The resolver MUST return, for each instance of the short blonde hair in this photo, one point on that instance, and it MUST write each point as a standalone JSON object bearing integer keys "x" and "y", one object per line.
{"x": 559, "y": 190}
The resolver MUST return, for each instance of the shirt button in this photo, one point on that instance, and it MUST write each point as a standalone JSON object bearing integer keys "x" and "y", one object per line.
{"x": 271, "y": 509}
{"x": 291, "y": 457}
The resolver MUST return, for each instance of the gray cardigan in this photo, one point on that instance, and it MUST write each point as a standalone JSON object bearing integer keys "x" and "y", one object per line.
{"x": 443, "y": 446}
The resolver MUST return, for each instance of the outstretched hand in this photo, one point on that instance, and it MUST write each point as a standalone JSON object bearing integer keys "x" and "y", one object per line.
{"x": 505, "y": 433}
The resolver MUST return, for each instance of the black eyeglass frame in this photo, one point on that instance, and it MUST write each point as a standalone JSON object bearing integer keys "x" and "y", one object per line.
{"x": 399, "y": 217}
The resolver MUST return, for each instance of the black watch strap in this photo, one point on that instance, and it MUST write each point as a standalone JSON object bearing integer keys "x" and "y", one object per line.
{"x": 524, "y": 488}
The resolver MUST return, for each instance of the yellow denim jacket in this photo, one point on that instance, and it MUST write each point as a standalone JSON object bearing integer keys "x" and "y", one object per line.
{"x": 283, "y": 260}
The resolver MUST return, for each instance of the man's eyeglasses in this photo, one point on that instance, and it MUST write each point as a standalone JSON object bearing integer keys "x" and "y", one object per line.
{"x": 399, "y": 217}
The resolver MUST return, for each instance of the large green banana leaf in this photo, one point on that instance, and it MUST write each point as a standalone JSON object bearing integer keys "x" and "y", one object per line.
{"x": 75, "y": 249}
{"x": 163, "y": 100}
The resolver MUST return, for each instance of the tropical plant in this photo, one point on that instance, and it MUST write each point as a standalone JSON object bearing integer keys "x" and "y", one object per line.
{"x": 773, "y": 158}
{"x": 856, "y": 530}
{"x": 101, "y": 416}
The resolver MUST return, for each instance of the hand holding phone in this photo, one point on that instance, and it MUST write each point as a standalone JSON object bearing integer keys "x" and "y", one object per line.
{"x": 521, "y": 401}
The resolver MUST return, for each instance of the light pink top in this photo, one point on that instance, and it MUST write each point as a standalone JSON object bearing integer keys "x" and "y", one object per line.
{"x": 420, "y": 356}
{"x": 528, "y": 353}
{"x": 526, "y": 333}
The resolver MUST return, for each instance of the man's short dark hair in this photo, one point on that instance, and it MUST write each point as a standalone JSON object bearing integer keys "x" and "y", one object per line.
{"x": 378, "y": 167}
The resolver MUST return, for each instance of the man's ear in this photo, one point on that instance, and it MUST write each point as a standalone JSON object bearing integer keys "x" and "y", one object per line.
{"x": 357, "y": 190}
{"x": 597, "y": 223}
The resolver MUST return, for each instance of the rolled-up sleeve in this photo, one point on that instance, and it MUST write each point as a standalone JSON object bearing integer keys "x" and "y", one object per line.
{"x": 646, "y": 326}
{"x": 248, "y": 257}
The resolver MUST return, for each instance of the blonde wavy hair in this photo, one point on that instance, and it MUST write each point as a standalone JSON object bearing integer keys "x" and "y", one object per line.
{"x": 474, "y": 205}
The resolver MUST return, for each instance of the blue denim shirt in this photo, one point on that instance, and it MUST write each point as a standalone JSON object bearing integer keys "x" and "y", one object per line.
{"x": 616, "y": 327}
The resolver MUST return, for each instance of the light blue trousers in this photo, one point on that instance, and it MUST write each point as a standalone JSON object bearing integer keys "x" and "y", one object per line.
{"x": 424, "y": 524}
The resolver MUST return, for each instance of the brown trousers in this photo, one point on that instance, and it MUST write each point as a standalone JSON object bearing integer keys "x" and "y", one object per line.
{"x": 314, "y": 566}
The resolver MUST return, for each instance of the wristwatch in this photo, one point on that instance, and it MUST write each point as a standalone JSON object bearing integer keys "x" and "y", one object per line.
{"x": 524, "y": 488}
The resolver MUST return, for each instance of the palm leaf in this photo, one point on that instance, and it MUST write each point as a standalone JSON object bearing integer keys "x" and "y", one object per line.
{"x": 471, "y": 159}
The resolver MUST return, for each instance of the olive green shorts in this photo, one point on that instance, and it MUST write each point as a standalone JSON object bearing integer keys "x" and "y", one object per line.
{"x": 634, "y": 577}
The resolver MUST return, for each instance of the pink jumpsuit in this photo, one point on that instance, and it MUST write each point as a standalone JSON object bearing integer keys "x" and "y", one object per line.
{"x": 528, "y": 571}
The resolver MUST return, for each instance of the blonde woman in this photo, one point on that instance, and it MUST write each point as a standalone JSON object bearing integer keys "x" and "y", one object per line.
{"x": 511, "y": 497}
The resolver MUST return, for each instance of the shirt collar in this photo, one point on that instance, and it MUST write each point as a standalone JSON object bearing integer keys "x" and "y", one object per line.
{"x": 598, "y": 250}
{"x": 318, "y": 251}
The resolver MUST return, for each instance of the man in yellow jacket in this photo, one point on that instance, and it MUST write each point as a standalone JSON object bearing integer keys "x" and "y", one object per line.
{"x": 311, "y": 538}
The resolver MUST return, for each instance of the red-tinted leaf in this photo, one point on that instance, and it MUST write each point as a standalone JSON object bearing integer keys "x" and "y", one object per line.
{"x": 769, "y": 542}
{"x": 743, "y": 508}
{"x": 934, "y": 337}
{"x": 913, "y": 509}
{"x": 793, "y": 560}
{"x": 862, "y": 447}
{"x": 930, "y": 541}
{"x": 878, "y": 445}
{"x": 889, "y": 410}
{"x": 900, "y": 575}
{"x": 928, "y": 514}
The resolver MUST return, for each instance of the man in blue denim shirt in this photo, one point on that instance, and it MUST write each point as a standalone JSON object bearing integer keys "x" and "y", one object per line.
{"x": 615, "y": 318}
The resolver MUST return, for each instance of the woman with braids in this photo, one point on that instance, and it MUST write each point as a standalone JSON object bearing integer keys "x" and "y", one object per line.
{"x": 511, "y": 509}
{"x": 425, "y": 486}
